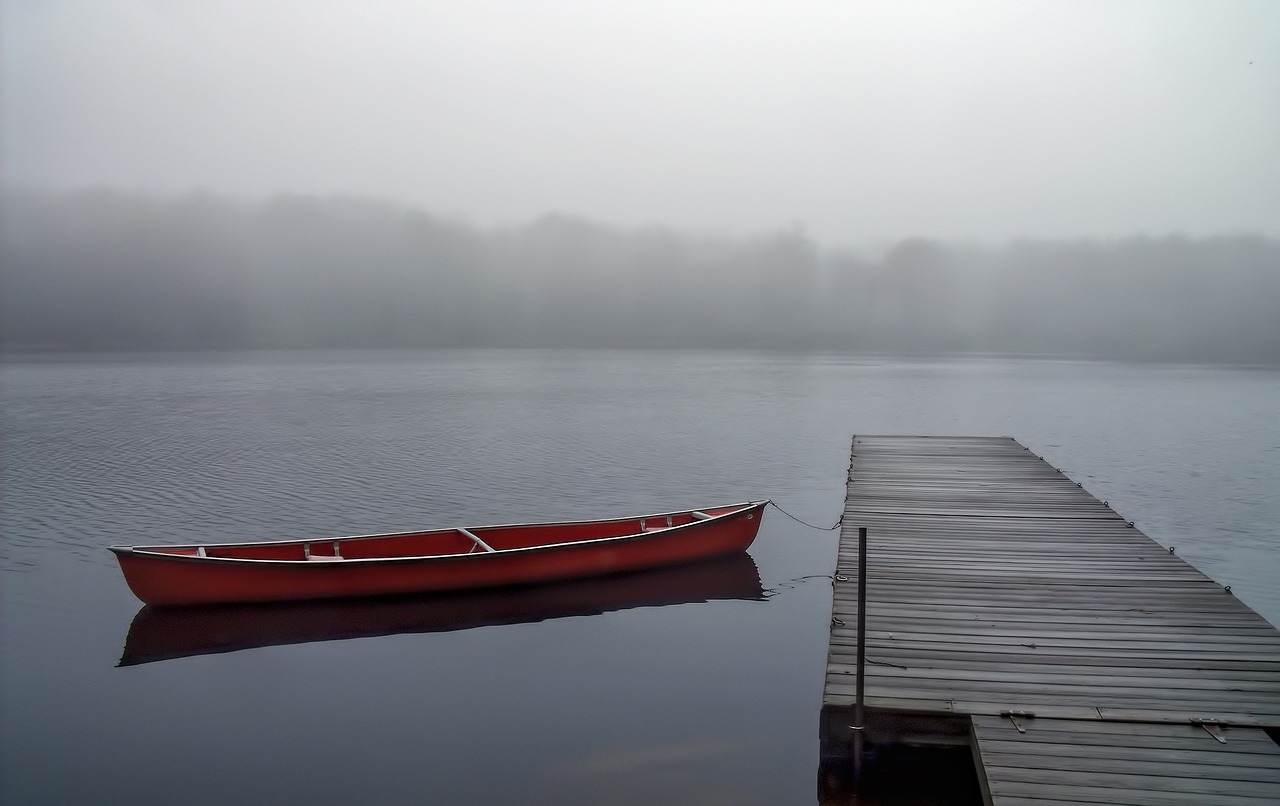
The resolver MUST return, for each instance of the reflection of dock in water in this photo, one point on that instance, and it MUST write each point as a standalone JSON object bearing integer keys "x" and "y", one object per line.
{"x": 168, "y": 633}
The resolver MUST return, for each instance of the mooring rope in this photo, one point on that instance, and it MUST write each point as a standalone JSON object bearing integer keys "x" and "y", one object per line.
{"x": 792, "y": 584}
{"x": 830, "y": 528}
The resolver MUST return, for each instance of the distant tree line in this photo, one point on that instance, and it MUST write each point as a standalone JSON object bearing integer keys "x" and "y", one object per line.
{"x": 99, "y": 270}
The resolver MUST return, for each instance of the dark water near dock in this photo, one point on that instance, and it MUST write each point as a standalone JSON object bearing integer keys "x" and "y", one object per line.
{"x": 708, "y": 693}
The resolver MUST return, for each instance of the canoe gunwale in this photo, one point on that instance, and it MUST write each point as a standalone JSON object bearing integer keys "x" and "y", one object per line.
{"x": 164, "y": 551}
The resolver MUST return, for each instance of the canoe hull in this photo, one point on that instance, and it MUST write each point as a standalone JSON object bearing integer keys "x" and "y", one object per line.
{"x": 170, "y": 579}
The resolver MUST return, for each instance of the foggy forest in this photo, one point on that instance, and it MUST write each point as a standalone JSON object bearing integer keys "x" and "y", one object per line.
{"x": 103, "y": 270}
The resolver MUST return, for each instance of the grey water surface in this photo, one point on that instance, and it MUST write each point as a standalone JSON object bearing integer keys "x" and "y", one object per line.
{"x": 700, "y": 697}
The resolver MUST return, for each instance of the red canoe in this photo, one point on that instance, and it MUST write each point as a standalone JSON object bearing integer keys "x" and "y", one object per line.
{"x": 438, "y": 560}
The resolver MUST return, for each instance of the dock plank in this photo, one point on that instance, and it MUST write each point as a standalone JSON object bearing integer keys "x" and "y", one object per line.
{"x": 1101, "y": 762}
{"x": 997, "y": 583}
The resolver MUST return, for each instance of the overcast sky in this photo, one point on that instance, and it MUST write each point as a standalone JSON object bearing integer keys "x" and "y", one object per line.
{"x": 861, "y": 121}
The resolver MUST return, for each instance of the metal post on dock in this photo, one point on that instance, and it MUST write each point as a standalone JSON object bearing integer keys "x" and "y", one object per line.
{"x": 858, "y": 715}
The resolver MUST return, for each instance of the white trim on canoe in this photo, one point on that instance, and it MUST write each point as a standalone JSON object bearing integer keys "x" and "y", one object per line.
{"x": 165, "y": 551}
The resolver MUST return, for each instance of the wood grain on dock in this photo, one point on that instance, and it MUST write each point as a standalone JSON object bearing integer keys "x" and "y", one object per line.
{"x": 996, "y": 584}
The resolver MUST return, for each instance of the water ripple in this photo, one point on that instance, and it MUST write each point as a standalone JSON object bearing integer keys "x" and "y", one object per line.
{"x": 278, "y": 447}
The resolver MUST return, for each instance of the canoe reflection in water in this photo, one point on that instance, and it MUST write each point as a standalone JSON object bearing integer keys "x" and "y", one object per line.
{"x": 165, "y": 633}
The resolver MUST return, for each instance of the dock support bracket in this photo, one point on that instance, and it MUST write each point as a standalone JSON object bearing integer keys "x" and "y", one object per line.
{"x": 1016, "y": 718}
{"x": 1213, "y": 727}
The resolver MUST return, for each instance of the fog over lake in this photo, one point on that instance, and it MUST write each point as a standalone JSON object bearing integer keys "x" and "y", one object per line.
{"x": 108, "y": 271}
{"x": 298, "y": 270}
{"x": 1085, "y": 180}
{"x": 867, "y": 122}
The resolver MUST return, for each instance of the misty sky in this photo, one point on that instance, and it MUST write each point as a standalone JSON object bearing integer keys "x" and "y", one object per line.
{"x": 862, "y": 121}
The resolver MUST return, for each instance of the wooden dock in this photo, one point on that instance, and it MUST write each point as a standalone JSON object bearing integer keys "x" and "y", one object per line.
{"x": 1010, "y": 609}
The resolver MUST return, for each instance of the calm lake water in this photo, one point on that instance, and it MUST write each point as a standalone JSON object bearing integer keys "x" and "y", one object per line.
{"x": 702, "y": 688}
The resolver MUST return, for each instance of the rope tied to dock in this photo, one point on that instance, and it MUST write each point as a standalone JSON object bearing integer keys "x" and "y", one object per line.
{"x": 830, "y": 528}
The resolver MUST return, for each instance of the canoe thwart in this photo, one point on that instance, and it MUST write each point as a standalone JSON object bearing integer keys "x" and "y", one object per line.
{"x": 476, "y": 540}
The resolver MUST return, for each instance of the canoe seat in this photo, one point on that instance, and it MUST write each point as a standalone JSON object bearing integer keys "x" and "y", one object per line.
{"x": 661, "y": 527}
{"x": 307, "y": 555}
